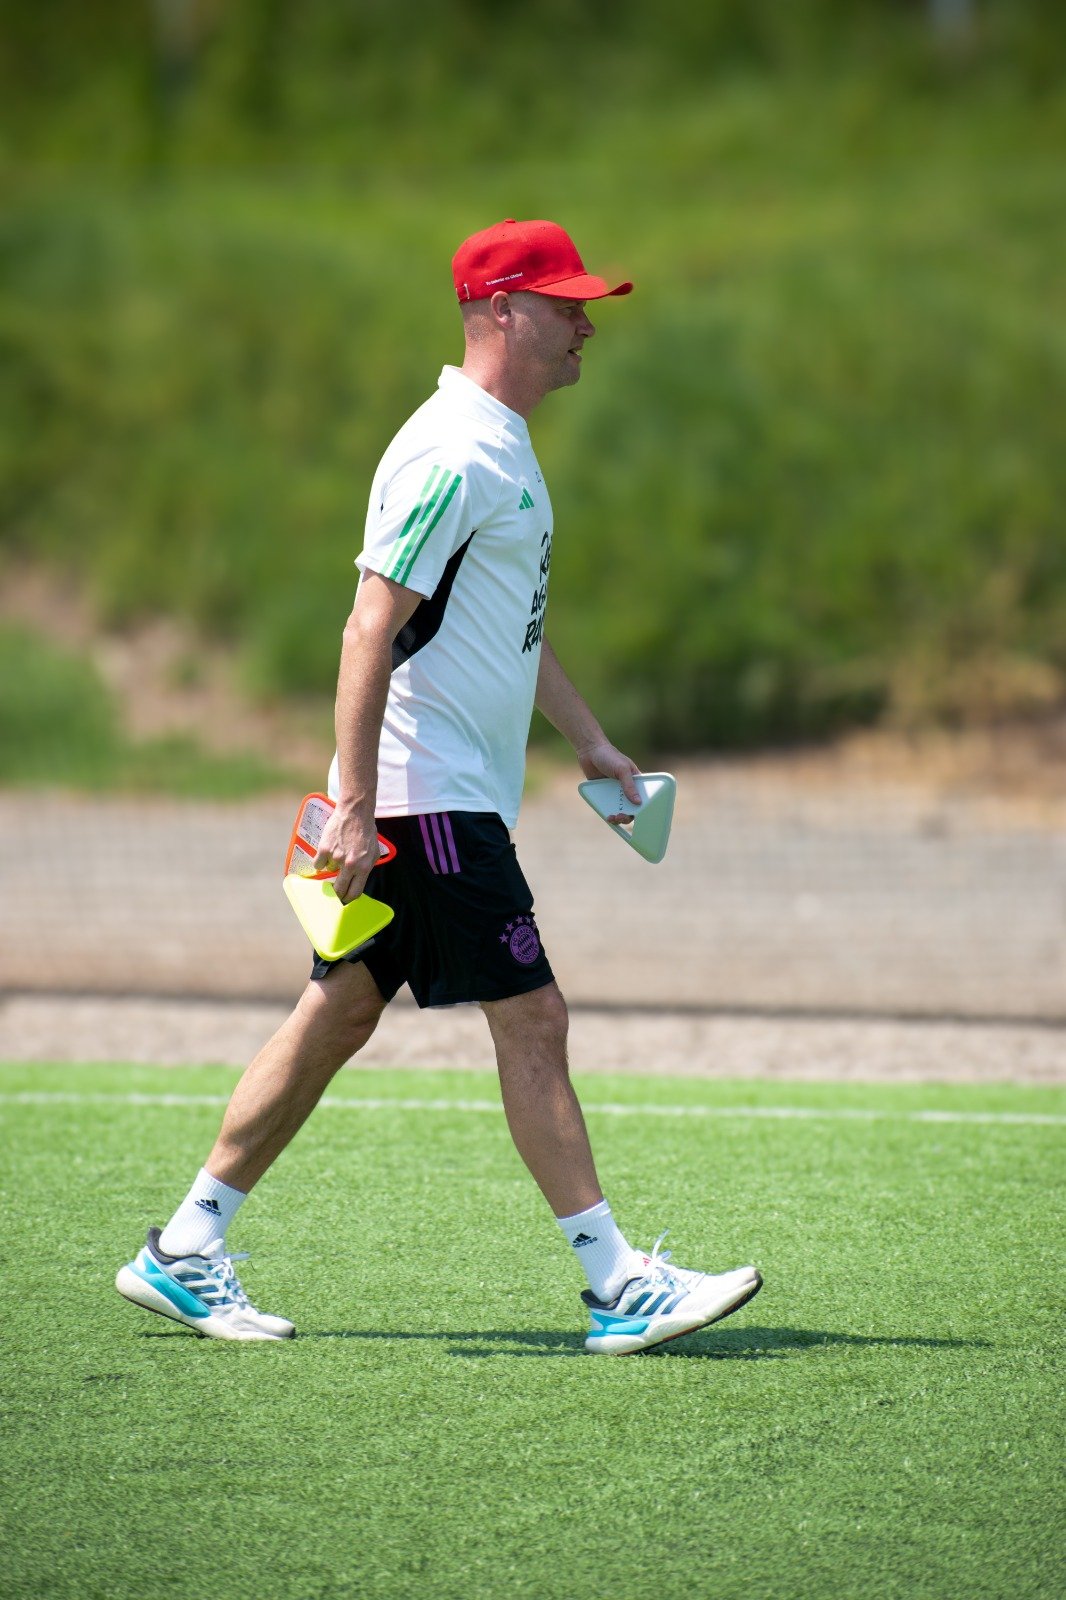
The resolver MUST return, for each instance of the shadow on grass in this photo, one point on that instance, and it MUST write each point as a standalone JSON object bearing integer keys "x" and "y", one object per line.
{"x": 732, "y": 1344}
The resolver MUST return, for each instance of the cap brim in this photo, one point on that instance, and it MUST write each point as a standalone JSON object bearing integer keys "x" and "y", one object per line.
{"x": 584, "y": 287}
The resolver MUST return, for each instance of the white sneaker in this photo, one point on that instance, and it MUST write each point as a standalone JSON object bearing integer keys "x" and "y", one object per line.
{"x": 202, "y": 1291}
{"x": 663, "y": 1302}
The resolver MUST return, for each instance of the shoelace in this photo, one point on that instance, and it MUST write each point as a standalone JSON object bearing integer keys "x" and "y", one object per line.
{"x": 220, "y": 1285}
{"x": 660, "y": 1271}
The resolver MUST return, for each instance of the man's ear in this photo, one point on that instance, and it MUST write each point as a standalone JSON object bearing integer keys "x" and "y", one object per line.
{"x": 502, "y": 309}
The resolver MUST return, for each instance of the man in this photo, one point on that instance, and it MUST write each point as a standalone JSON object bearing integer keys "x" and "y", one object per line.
{"x": 443, "y": 658}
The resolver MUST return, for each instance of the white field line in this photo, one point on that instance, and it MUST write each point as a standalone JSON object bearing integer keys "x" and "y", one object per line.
{"x": 767, "y": 1113}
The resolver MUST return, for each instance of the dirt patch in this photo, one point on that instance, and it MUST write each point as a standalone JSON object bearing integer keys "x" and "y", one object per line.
{"x": 1012, "y": 774}
{"x": 168, "y": 680}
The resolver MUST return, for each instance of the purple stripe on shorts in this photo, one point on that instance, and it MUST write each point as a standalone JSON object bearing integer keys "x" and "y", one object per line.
{"x": 422, "y": 823}
{"x": 434, "y": 822}
{"x": 447, "y": 821}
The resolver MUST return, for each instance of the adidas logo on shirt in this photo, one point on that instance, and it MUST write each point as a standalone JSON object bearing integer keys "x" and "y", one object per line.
{"x": 584, "y": 1238}
{"x": 526, "y": 502}
{"x": 210, "y": 1205}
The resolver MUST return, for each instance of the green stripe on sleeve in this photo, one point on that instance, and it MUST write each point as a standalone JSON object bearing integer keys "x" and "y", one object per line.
{"x": 405, "y": 561}
{"x": 423, "y": 507}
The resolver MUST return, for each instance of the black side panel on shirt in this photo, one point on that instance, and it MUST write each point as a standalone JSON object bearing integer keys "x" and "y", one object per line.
{"x": 429, "y": 615}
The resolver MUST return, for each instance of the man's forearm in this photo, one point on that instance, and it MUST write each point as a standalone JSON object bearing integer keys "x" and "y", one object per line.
{"x": 566, "y": 710}
{"x": 349, "y": 839}
{"x": 381, "y": 608}
{"x": 362, "y": 692}
{"x": 564, "y": 707}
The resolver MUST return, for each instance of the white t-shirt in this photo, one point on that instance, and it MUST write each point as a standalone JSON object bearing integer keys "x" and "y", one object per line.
{"x": 459, "y": 512}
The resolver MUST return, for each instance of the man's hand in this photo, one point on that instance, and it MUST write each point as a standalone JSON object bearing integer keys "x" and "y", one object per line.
{"x": 350, "y": 844}
{"x": 601, "y": 759}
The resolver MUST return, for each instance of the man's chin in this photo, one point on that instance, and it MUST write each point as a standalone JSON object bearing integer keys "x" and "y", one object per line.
{"x": 564, "y": 377}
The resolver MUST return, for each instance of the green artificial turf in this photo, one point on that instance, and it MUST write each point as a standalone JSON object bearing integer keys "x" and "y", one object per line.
{"x": 884, "y": 1420}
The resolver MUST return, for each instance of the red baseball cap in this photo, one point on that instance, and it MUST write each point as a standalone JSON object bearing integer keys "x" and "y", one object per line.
{"x": 538, "y": 256}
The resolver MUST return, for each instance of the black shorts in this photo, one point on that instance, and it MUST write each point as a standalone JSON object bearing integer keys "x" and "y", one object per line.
{"x": 464, "y": 927}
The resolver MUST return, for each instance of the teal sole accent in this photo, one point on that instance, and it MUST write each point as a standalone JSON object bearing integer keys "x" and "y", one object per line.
{"x": 611, "y": 1328}
{"x": 165, "y": 1285}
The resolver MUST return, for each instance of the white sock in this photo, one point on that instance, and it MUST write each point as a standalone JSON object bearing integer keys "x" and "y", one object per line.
{"x": 203, "y": 1216}
{"x": 607, "y": 1258}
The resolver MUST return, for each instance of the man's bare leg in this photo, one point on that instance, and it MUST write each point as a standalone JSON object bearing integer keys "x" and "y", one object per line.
{"x": 529, "y": 1034}
{"x": 333, "y": 1019}
{"x": 183, "y": 1272}
{"x": 548, "y": 1129}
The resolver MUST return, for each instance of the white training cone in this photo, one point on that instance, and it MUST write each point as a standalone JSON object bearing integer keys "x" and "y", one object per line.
{"x": 649, "y": 832}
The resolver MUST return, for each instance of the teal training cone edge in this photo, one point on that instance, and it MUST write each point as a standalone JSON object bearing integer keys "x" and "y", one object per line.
{"x": 649, "y": 833}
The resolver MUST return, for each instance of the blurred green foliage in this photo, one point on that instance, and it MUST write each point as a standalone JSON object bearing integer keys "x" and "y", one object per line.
{"x": 814, "y": 471}
{"x": 59, "y": 725}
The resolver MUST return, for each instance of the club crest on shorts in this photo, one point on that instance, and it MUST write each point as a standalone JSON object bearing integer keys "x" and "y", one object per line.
{"x": 522, "y": 939}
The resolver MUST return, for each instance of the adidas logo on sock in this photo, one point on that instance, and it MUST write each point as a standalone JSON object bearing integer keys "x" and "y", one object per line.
{"x": 582, "y": 1239}
{"x": 526, "y": 502}
{"x": 210, "y": 1205}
